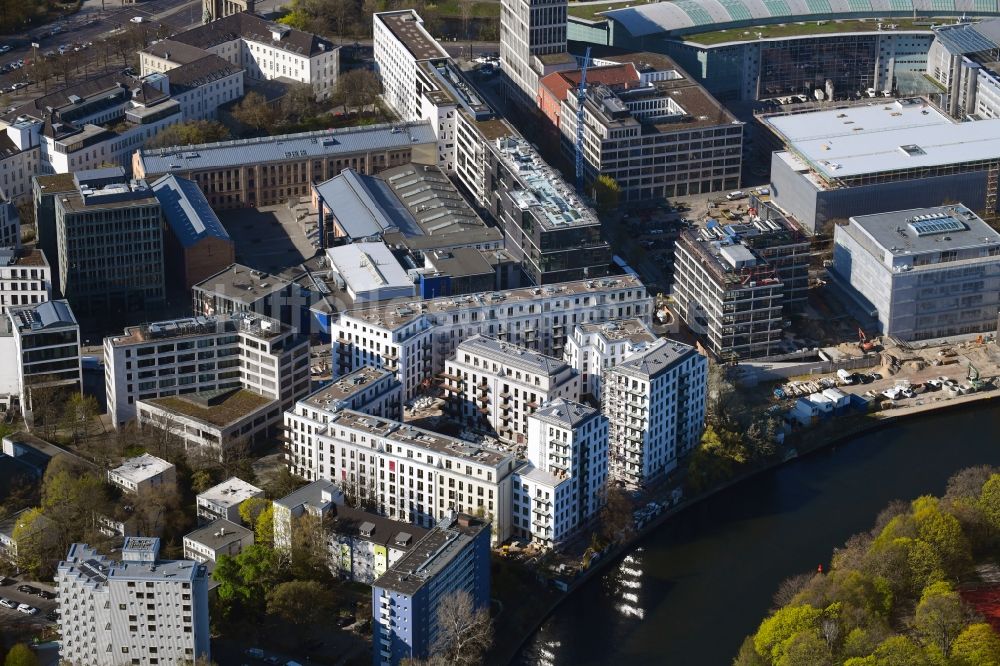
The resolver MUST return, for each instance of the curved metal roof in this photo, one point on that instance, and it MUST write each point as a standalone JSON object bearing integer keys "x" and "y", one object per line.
{"x": 687, "y": 16}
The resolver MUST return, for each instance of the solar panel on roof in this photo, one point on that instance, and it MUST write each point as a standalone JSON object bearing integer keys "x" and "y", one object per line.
{"x": 901, "y": 5}
{"x": 819, "y": 6}
{"x": 737, "y": 10}
{"x": 777, "y": 7}
{"x": 696, "y": 12}
{"x": 859, "y": 5}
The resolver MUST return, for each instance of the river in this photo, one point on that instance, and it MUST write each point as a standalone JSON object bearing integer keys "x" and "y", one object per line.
{"x": 690, "y": 592}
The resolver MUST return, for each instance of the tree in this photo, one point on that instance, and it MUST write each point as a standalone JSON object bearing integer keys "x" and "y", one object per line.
{"x": 21, "y": 655}
{"x": 774, "y": 634}
{"x": 254, "y": 112}
{"x": 202, "y": 480}
{"x": 310, "y": 556}
{"x": 283, "y": 483}
{"x": 251, "y": 508}
{"x": 263, "y": 527}
{"x": 299, "y": 103}
{"x": 989, "y": 501}
{"x": 967, "y": 484}
{"x": 977, "y": 645}
{"x": 35, "y": 549}
{"x": 300, "y": 602}
{"x": 71, "y": 500}
{"x": 357, "y": 89}
{"x": 79, "y": 414}
{"x": 943, "y": 532}
{"x": 607, "y": 193}
{"x": 616, "y": 520}
{"x": 806, "y": 648}
{"x": 465, "y": 632}
{"x": 245, "y": 579}
{"x": 189, "y": 133}
{"x": 940, "y": 617}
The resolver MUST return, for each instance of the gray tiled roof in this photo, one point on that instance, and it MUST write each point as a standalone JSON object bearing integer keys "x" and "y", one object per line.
{"x": 512, "y": 355}
{"x": 305, "y": 145}
{"x": 253, "y": 27}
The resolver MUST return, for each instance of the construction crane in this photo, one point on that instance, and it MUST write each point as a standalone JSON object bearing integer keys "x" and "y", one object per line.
{"x": 581, "y": 95}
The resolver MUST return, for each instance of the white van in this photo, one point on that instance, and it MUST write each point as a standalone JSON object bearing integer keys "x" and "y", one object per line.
{"x": 738, "y": 194}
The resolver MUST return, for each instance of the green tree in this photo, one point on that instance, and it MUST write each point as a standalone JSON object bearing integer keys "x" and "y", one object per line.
{"x": 201, "y": 480}
{"x": 894, "y": 651}
{"x": 772, "y": 638}
{"x": 254, "y": 112}
{"x": 806, "y": 648}
{"x": 283, "y": 483}
{"x": 748, "y": 656}
{"x": 940, "y": 616}
{"x": 245, "y": 579}
{"x": 79, "y": 414}
{"x": 35, "y": 549}
{"x": 989, "y": 501}
{"x": 943, "y": 531}
{"x": 300, "y": 602}
{"x": 607, "y": 194}
{"x": 71, "y": 500}
{"x": 263, "y": 527}
{"x": 977, "y": 645}
{"x": 21, "y": 655}
{"x": 189, "y": 133}
{"x": 251, "y": 508}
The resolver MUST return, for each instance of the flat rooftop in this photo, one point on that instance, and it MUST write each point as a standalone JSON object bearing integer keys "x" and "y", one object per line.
{"x": 633, "y": 330}
{"x": 219, "y": 534}
{"x": 22, "y": 257}
{"x": 546, "y": 192}
{"x": 42, "y": 316}
{"x": 317, "y": 495}
{"x": 242, "y": 283}
{"x": 284, "y": 147}
{"x": 408, "y": 28}
{"x": 334, "y": 395}
{"x": 395, "y": 315}
{"x": 201, "y": 325}
{"x": 368, "y": 267}
{"x": 431, "y": 555}
{"x": 425, "y": 439}
{"x": 927, "y": 230}
{"x": 230, "y": 409}
{"x": 884, "y": 136}
{"x": 87, "y": 563}
{"x": 511, "y": 355}
{"x": 141, "y": 468}
{"x": 231, "y": 492}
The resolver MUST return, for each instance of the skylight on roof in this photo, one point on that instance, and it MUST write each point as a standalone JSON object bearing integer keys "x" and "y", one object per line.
{"x": 929, "y": 225}
{"x": 912, "y": 150}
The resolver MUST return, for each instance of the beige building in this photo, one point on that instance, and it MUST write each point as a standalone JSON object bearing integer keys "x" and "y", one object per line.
{"x": 271, "y": 170}
{"x": 216, "y": 9}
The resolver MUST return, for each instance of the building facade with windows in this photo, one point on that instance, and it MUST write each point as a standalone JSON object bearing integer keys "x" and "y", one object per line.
{"x": 453, "y": 557}
{"x": 25, "y": 277}
{"x": 223, "y": 500}
{"x": 140, "y": 610}
{"x": 201, "y": 354}
{"x": 922, "y": 274}
{"x": 495, "y": 386}
{"x": 414, "y": 340}
{"x": 655, "y": 404}
{"x": 561, "y": 486}
{"x": 594, "y": 348}
{"x": 363, "y": 545}
{"x": 404, "y": 472}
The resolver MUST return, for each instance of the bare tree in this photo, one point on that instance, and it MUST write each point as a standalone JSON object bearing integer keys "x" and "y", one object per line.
{"x": 465, "y": 632}
{"x": 616, "y": 519}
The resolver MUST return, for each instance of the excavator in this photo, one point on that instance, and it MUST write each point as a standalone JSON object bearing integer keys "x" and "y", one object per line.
{"x": 864, "y": 344}
{"x": 973, "y": 378}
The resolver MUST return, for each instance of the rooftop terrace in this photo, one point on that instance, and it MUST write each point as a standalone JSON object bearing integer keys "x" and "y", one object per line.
{"x": 334, "y": 395}
{"x": 220, "y": 412}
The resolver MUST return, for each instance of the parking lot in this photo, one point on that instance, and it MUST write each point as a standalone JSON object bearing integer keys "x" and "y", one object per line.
{"x": 267, "y": 238}
{"x": 12, "y": 616}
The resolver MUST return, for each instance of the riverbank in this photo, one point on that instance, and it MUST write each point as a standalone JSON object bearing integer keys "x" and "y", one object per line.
{"x": 829, "y": 434}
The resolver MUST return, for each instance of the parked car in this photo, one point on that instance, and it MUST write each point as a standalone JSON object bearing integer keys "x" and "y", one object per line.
{"x": 29, "y": 589}
{"x": 4, "y": 581}
{"x": 45, "y": 594}
{"x": 7, "y": 603}
{"x": 4, "y": 48}
{"x": 137, "y": 19}
{"x": 26, "y": 609}
{"x": 52, "y": 615}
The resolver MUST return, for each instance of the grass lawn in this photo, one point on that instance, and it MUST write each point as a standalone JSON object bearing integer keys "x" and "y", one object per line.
{"x": 449, "y": 9}
{"x": 803, "y": 28}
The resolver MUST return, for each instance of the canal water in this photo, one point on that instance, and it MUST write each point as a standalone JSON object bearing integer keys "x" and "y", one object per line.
{"x": 690, "y": 592}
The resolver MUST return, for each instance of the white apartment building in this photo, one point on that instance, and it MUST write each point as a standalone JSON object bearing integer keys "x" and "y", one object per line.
{"x": 532, "y": 43}
{"x": 197, "y": 354}
{"x": 40, "y": 347}
{"x": 561, "y": 487}
{"x": 263, "y": 49}
{"x": 409, "y": 474}
{"x": 25, "y": 277}
{"x": 141, "y": 610}
{"x": 316, "y": 499}
{"x": 496, "y": 385}
{"x": 202, "y": 86}
{"x": 220, "y": 537}
{"x": 655, "y": 404}
{"x": 143, "y": 473}
{"x": 413, "y": 340}
{"x": 223, "y": 500}
{"x": 20, "y": 159}
{"x": 593, "y": 348}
